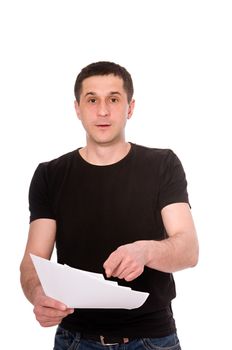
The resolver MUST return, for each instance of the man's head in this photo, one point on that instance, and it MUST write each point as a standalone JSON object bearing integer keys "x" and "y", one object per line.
{"x": 104, "y": 68}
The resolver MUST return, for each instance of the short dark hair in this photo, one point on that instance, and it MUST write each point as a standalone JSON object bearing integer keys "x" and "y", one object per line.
{"x": 104, "y": 68}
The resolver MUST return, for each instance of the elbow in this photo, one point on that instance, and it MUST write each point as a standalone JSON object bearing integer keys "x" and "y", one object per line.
{"x": 22, "y": 266}
{"x": 194, "y": 262}
{"x": 194, "y": 256}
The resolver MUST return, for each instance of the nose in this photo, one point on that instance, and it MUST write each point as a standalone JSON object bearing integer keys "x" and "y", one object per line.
{"x": 103, "y": 110}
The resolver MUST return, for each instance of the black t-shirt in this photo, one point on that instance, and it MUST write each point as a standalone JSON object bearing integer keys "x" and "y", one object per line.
{"x": 99, "y": 208}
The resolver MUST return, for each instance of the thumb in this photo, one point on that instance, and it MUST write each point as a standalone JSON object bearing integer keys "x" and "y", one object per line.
{"x": 108, "y": 270}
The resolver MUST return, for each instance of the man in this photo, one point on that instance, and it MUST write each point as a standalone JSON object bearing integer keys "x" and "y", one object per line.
{"x": 116, "y": 208}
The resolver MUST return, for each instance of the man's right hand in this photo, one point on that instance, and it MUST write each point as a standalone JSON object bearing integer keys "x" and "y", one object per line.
{"x": 41, "y": 240}
{"x": 50, "y": 312}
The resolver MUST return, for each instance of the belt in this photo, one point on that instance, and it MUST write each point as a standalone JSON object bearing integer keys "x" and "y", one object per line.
{"x": 105, "y": 340}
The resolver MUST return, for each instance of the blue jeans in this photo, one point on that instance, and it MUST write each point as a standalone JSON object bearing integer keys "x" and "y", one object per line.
{"x": 65, "y": 340}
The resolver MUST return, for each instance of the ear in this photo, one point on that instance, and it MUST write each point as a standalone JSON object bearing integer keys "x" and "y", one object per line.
{"x": 77, "y": 109}
{"x": 131, "y": 109}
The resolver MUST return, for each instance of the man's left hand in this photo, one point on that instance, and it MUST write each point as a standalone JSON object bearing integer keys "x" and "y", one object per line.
{"x": 127, "y": 261}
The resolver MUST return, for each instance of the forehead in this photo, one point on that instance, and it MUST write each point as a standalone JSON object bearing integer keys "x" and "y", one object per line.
{"x": 102, "y": 84}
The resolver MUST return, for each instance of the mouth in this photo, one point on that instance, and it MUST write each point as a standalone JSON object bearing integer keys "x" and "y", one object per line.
{"x": 103, "y": 125}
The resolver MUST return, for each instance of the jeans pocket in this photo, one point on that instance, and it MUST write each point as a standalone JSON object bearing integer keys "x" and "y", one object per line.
{"x": 171, "y": 342}
{"x": 65, "y": 340}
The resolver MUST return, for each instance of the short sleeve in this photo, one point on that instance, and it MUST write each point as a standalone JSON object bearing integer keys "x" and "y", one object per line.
{"x": 173, "y": 184}
{"x": 39, "y": 201}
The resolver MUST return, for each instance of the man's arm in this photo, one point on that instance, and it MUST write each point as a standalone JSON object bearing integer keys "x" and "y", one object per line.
{"x": 177, "y": 252}
{"x": 180, "y": 250}
{"x": 41, "y": 239}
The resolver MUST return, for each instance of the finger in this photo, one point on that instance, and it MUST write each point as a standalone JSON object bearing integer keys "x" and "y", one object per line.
{"x": 125, "y": 267}
{"x": 133, "y": 275}
{"x": 128, "y": 269}
{"x": 43, "y": 316}
{"x": 124, "y": 273}
{"x": 48, "y": 316}
{"x": 131, "y": 272}
{"x": 49, "y": 323}
{"x": 52, "y": 303}
{"x": 112, "y": 263}
{"x": 50, "y": 312}
{"x": 53, "y": 320}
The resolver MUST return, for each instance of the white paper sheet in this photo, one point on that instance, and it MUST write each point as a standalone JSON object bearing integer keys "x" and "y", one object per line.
{"x": 82, "y": 289}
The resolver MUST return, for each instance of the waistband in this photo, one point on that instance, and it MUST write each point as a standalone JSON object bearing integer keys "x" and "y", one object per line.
{"x": 105, "y": 339}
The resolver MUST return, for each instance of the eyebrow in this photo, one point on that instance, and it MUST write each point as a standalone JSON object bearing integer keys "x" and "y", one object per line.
{"x": 92, "y": 93}
{"x": 115, "y": 93}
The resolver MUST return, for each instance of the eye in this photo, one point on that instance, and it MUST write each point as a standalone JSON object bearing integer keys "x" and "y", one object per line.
{"x": 114, "y": 99}
{"x": 92, "y": 100}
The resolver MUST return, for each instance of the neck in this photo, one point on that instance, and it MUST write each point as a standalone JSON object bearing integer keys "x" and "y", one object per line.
{"x": 105, "y": 154}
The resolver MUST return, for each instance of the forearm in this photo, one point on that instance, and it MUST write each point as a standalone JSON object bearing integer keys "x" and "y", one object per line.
{"x": 41, "y": 240}
{"x": 172, "y": 254}
{"x": 48, "y": 312}
{"x": 177, "y": 252}
{"x": 30, "y": 283}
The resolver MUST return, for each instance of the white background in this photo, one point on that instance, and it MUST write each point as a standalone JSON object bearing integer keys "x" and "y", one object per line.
{"x": 179, "y": 54}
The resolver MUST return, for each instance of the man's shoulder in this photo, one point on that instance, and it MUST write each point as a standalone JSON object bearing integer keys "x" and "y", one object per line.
{"x": 153, "y": 153}
{"x": 58, "y": 164}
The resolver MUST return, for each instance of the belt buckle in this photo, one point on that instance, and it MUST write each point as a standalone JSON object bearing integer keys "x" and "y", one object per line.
{"x": 103, "y": 341}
